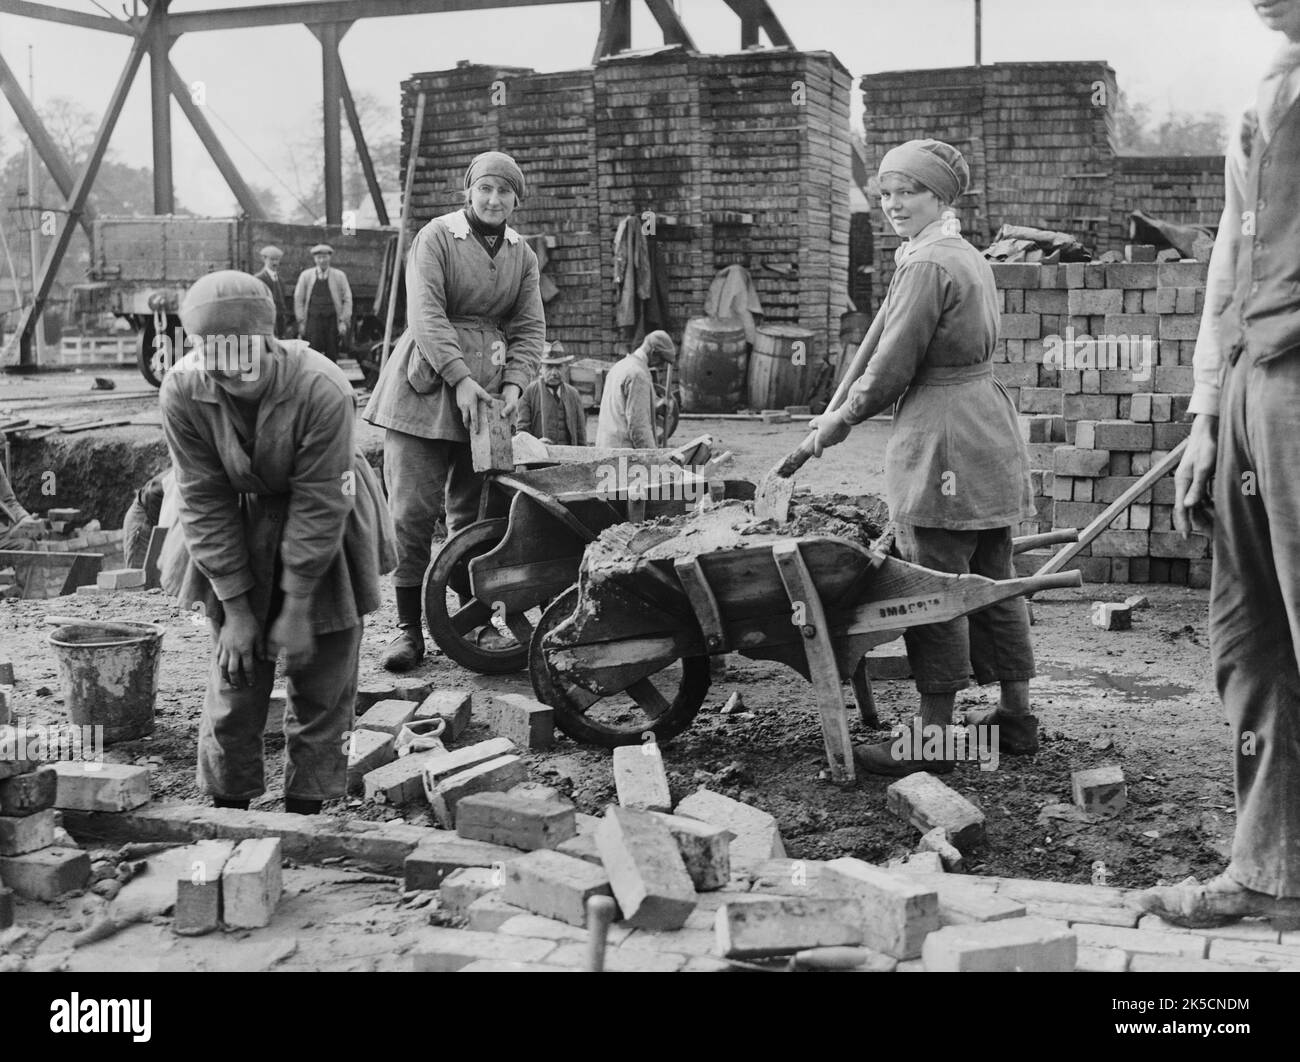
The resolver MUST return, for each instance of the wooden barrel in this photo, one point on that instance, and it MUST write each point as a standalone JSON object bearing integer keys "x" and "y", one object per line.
{"x": 713, "y": 362}
{"x": 780, "y": 367}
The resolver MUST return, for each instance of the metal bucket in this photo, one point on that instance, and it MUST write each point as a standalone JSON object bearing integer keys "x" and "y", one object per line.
{"x": 109, "y": 673}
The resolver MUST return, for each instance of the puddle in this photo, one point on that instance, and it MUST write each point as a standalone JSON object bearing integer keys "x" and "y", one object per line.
{"x": 1129, "y": 685}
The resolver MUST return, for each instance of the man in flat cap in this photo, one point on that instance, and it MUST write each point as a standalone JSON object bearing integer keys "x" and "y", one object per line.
{"x": 322, "y": 302}
{"x": 269, "y": 275}
{"x": 550, "y": 408}
{"x": 627, "y": 406}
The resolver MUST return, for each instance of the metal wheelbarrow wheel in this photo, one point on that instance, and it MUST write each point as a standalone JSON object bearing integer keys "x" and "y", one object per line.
{"x": 664, "y": 704}
{"x": 461, "y": 624}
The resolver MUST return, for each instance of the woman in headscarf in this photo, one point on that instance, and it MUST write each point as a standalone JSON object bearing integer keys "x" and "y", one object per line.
{"x": 282, "y": 538}
{"x": 475, "y": 330}
{"x": 956, "y": 468}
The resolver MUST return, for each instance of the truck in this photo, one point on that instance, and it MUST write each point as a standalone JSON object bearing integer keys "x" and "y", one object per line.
{"x": 141, "y": 268}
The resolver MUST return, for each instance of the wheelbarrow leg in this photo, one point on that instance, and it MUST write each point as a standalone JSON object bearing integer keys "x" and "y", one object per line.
{"x": 861, "y": 683}
{"x": 823, "y": 671}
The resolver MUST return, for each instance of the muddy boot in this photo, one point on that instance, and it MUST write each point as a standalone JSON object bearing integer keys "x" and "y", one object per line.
{"x": 906, "y": 753}
{"x": 1017, "y": 729}
{"x": 407, "y": 649}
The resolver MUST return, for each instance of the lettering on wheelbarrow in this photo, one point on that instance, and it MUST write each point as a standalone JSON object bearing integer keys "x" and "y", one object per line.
{"x": 908, "y": 606}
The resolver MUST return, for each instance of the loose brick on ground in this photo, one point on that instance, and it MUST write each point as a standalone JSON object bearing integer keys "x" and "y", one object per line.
{"x": 368, "y": 750}
{"x": 121, "y": 579}
{"x": 583, "y": 847}
{"x": 251, "y": 883}
{"x": 1025, "y": 945}
{"x": 756, "y": 835}
{"x": 1100, "y": 960}
{"x": 621, "y": 960}
{"x": 1249, "y": 929}
{"x": 646, "y": 871}
{"x": 1100, "y": 789}
{"x": 705, "y": 849}
{"x": 463, "y": 886}
{"x": 1250, "y": 953}
{"x": 413, "y": 689}
{"x": 936, "y": 841}
{"x": 430, "y": 863}
{"x": 403, "y": 780}
{"x": 45, "y": 874}
{"x": 1161, "y": 964}
{"x": 90, "y": 786}
{"x": 753, "y": 926}
{"x": 925, "y": 802}
{"x": 388, "y": 716}
{"x": 554, "y": 885}
{"x": 198, "y": 890}
{"x": 517, "y": 821}
{"x": 444, "y": 765}
{"x": 530, "y": 724}
{"x": 26, "y": 833}
{"x": 1141, "y": 940}
{"x": 897, "y": 912}
{"x": 448, "y": 950}
{"x": 1110, "y": 616}
{"x": 640, "y": 779}
{"x": 489, "y": 913}
{"x": 496, "y": 775}
{"x": 26, "y": 794}
{"x": 451, "y": 705}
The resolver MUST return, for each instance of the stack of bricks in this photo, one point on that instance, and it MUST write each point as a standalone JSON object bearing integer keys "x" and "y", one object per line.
{"x": 37, "y": 859}
{"x": 1098, "y": 358}
{"x": 747, "y": 154}
{"x": 1039, "y": 138}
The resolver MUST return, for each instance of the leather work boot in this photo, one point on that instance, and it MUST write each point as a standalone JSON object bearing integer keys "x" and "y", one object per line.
{"x": 1218, "y": 902}
{"x": 1017, "y": 734}
{"x": 880, "y": 758}
{"x": 407, "y": 649}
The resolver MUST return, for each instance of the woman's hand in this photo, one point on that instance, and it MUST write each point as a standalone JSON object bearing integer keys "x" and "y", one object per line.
{"x": 830, "y": 429}
{"x": 510, "y": 393}
{"x": 468, "y": 395}
{"x": 291, "y": 634}
{"x": 237, "y": 645}
{"x": 1193, "y": 504}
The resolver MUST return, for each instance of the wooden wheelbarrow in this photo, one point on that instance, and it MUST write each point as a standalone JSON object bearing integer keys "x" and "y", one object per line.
{"x": 627, "y": 650}
{"x": 527, "y": 545}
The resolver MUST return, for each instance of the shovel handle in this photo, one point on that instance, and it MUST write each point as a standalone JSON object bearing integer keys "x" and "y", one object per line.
{"x": 796, "y": 459}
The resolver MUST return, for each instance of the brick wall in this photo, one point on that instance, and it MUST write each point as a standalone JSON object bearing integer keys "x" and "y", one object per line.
{"x": 1101, "y": 403}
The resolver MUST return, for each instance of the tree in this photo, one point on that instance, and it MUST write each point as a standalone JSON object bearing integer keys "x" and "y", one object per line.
{"x": 1139, "y": 132}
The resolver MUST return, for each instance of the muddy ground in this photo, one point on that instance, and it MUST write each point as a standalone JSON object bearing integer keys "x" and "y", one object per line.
{"x": 1142, "y": 698}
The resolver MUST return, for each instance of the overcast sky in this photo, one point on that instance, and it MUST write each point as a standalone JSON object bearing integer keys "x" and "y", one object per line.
{"x": 1187, "y": 55}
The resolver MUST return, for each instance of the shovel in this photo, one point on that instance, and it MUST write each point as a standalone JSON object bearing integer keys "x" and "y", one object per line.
{"x": 772, "y": 499}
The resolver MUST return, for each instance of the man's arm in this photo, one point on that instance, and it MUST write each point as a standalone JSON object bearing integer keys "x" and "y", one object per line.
{"x": 300, "y": 297}
{"x": 638, "y": 404}
{"x": 347, "y": 296}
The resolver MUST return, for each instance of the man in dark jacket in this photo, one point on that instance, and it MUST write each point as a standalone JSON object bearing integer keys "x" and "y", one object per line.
{"x": 269, "y": 275}
{"x": 550, "y": 408}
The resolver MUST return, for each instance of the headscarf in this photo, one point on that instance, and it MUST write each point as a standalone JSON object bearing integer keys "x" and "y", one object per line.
{"x": 496, "y": 164}
{"x": 228, "y": 302}
{"x": 931, "y": 164}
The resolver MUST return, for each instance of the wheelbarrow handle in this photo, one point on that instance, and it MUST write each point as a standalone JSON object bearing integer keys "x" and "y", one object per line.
{"x": 1033, "y": 584}
{"x": 1049, "y": 538}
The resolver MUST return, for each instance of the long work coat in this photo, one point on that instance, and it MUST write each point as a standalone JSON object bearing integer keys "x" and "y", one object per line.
{"x": 294, "y": 505}
{"x": 468, "y": 314}
{"x": 956, "y": 458}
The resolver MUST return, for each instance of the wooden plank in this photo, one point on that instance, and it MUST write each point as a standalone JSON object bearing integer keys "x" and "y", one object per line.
{"x": 152, "y": 573}
{"x": 703, "y": 602}
{"x": 822, "y": 666}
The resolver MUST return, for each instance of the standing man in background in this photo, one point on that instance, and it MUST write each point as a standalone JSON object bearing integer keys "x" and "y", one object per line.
{"x": 269, "y": 275}
{"x": 322, "y": 302}
{"x": 1246, "y": 437}
{"x": 627, "y": 406}
{"x": 550, "y": 408}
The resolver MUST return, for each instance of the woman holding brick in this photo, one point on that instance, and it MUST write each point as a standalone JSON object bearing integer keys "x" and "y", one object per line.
{"x": 475, "y": 330}
{"x": 282, "y": 538}
{"x": 956, "y": 468}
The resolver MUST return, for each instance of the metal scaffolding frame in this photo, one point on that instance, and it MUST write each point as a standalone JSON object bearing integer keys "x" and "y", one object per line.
{"x": 154, "y": 32}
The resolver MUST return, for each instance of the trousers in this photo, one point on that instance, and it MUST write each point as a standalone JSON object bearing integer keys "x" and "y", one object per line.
{"x": 427, "y": 480}
{"x": 321, "y": 698}
{"x": 1255, "y": 614}
{"x": 993, "y": 644}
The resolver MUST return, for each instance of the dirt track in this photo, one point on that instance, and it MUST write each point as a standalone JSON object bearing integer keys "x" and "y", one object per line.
{"x": 1143, "y": 698}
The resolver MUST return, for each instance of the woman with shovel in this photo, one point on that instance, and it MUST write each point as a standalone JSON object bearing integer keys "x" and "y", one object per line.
{"x": 475, "y": 330}
{"x": 956, "y": 468}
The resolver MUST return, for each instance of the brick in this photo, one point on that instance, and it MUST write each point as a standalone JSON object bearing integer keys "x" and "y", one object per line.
{"x": 1167, "y": 436}
{"x": 368, "y": 750}
{"x": 1090, "y": 407}
{"x": 1140, "y": 408}
{"x": 583, "y": 847}
{"x": 496, "y": 775}
{"x": 1075, "y": 514}
{"x": 1139, "y": 518}
{"x": 1183, "y": 274}
{"x": 489, "y": 913}
{"x": 387, "y": 717}
{"x": 448, "y": 950}
{"x": 6, "y": 908}
{"x": 1121, "y": 544}
{"x": 936, "y": 841}
{"x": 27, "y": 833}
{"x": 620, "y": 960}
{"x": 432, "y": 861}
{"x": 1180, "y": 326}
{"x": 87, "y": 785}
{"x": 925, "y": 802}
{"x": 1171, "y": 379}
{"x": 1013, "y": 375}
{"x": 1119, "y": 569}
{"x": 1037, "y": 428}
{"x": 515, "y": 821}
{"x": 1121, "y": 382}
{"x": 528, "y": 723}
{"x": 464, "y": 885}
{"x": 1115, "y": 435}
{"x": 756, "y": 836}
{"x": 1021, "y": 945}
{"x": 121, "y": 579}
{"x": 1171, "y": 544}
{"x": 1130, "y": 275}
{"x": 554, "y": 885}
{"x": 1049, "y": 302}
{"x": 1100, "y": 960}
{"x": 1251, "y": 953}
{"x": 26, "y": 794}
{"x": 1047, "y": 400}
{"x": 1015, "y": 275}
{"x": 443, "y": 765}
{"x": 1020, "y": 326}
{"x": 417, "y": 690}
{"x": 1089, "y": 302}
{"x": 198, "y": 890}
{"x": 753, "y": 927}
{"x": 450, "y": 705}
{"x": 1135, "y": 941}
{"x": 6, "y": 673}
{"x": 645, "y": 868}
{"x": 1073, "y": 461}
{"x": 45, "y": 874}
{"x": 960, "y": 904}
{"x": 251, "y": 883}
{"x": 1199, "y": 573}
{"x": 401, "y": 781}
{"x": 897, "y": 912}
{"x": 1166, "y": 964}
{"x": 640, "y": 778}
{"x": 704, "y": 848}
{"x": 535, "y": 927}
{"x": 1100, "y": 789}
{"x": 1110, "y": 616}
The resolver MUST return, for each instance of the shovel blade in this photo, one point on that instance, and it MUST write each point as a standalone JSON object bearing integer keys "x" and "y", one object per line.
{"x": 772, "y": 499}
